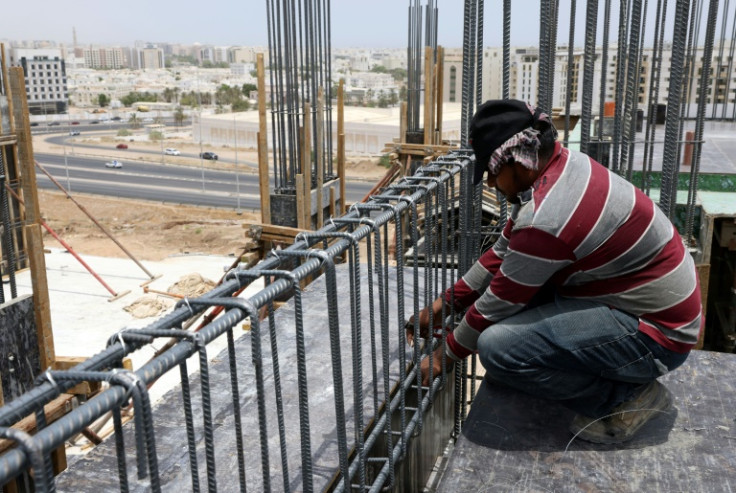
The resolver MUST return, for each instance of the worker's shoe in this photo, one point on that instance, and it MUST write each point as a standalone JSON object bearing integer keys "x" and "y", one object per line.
{"x": 625, "y": 419}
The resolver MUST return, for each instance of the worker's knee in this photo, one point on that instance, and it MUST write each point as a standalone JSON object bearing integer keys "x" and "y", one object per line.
{"x": 493, "y": 349}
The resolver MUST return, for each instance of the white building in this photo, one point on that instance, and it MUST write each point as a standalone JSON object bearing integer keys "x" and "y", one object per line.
{"x": 45, "y": 79}
{"x": 149, "y": 58}
{"x": 367, "y": 130}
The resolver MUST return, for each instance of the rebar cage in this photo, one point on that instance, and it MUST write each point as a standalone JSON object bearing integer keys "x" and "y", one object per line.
{"x": 320, "y": 419}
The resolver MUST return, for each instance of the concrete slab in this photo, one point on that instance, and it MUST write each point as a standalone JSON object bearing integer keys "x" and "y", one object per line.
{"x": 515, "y": 442}
{"x": 83, "y": 316}
{"x": 168, "y": 415}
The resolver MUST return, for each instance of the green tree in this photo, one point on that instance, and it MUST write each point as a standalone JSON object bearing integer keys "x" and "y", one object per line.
{"x": 124, "y": 132}
{"x": 243, "y": 105}
{"x": 179, "y": 116}
{"x": 170, "y": 94}
{"x": 402, "y": 93}
{"x": 103, "y": 100}
{"x": 248, "y": 88}
{"x": 189, "y": 99}
{"x": 155, "y": 136}
{"x": 227, "y": 95}
{"x": 379, "y": 69}
{"x": 134, "y": 121}
{"x": 399, "y": 74}
{"x": 138, "y": 97}
{"x": 393, "y": 99}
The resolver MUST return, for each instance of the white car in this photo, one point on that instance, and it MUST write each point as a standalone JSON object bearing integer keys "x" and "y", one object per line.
{"x": 170, "y": 151}
{"x": 113, "y": 164}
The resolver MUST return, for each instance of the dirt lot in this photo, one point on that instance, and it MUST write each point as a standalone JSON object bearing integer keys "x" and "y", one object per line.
{"x": 148, "y": 230}
{"x": 153, "y": 231}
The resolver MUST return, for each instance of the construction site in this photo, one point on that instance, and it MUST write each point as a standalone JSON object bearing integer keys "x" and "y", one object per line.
{"x": 292, "y": 372}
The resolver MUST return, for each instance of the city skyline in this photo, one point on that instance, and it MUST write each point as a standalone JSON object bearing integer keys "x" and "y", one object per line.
{"x": 376, "y": 24}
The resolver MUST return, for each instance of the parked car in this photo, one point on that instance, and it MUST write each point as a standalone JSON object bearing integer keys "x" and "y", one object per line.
{"x": 94, "y": 122}
{"x": 121, "y": 146}
{"x": 74, "y": 132}
{"x": 208, "y": 155}
{"x": 75, "y": 123}
{"x": 113, "y": 164}
{"x": 34, "y": 124}
{"x": 53, "y": 124}
{"x": 170, "y": 151}
{"x": 116, "y": 118}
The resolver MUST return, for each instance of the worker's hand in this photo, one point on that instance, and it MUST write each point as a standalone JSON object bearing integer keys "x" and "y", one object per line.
{"x": 429, "y": 316}
{"x": 436, "y": 365}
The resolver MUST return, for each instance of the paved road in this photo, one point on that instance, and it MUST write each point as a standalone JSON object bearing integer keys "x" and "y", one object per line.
{"x": 165, "y": 183}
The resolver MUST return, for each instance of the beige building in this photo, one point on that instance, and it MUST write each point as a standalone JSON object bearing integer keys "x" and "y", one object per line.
{"x": 367, "y": 130}
{"x": 103, "y": 57}
{"x": 149, "y": 58}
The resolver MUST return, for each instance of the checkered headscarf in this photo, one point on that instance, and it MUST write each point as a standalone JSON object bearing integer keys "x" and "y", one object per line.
{"x": 521, "y": 148}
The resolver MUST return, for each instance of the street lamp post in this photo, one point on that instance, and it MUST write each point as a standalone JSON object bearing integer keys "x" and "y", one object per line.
{"x": 237, "y": 175}
{"x": 69, "y": 126}
{"x": 199, "y": 105}
{"x": 66, "y": 168}
{"x": 163, "y": 127}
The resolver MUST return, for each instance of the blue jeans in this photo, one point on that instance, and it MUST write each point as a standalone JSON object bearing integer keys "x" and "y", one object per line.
{"x": 585, "y": 355}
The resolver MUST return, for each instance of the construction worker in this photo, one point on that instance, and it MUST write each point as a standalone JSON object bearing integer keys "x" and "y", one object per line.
{"x": 587, "y": 297}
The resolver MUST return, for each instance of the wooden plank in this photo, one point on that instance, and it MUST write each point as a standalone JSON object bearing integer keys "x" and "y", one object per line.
{"x": 6, "y": 84}
{"x": 332, "y": 202}
{"x": 319, "y": 134}
{"x": 274, "y": 229}
{"x": 440, "y": 91}
{"x": 82, "y": 388}
{"x": 404, "y": 115}
{"x": 704, "y": 279}
{"x": 8, "y": 140}
{"x": 53, "y": 410}
{"x": 263, "y": 183}
{"x": 341, "y": 143}
{"x": 428, "y": 94}
{"x": 42, "y": 306}
{"x": 341, "y": 174}
{"x": 300, "y": 201}
{"x": 25, "y": 144}
{"x": 429, "y": 148}
{"x": 307, "y": 166}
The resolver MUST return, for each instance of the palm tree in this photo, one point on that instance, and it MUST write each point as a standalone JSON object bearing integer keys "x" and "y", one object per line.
{"x": 179, "y": 116}
{"x": 168, "y": 94}
{"x": 134, "y": 121}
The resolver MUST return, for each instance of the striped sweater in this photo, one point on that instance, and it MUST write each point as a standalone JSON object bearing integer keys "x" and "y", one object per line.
{"x": 590, "y": 234}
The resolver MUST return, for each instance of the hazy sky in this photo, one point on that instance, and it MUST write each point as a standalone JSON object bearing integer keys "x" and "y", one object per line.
{"x": 355, "y": 23}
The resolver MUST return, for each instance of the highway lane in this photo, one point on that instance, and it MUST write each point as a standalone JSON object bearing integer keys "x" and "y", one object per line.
{"x": 154, "y": 153}
{"x": 162, "y": 183}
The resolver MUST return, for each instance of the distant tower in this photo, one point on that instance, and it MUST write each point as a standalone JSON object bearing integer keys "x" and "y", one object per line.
{"x": 74, "y": 38}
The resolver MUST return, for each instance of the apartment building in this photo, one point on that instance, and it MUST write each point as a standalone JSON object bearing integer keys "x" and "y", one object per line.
{"x": 105, "y": 58}
{"x": 45, "y": 79}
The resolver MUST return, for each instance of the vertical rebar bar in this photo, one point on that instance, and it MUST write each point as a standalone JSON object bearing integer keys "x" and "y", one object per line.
{"x": 569, "y": 73}
{"x": 670, "y": 167}
{"x": 7, "y": 238}
{"x": 623, "y": 20}
{"x": 604, "y": 80}
{"x": 704, "y": 80}
{"x": 591, "y": 19}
